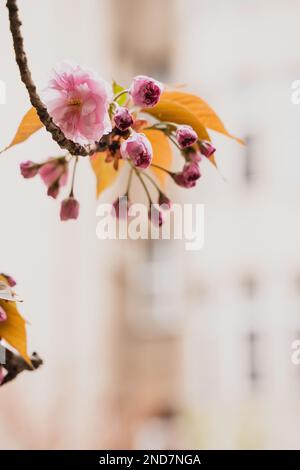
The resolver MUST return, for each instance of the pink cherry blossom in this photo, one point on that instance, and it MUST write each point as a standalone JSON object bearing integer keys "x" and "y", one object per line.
{"x": 77, "y": 100}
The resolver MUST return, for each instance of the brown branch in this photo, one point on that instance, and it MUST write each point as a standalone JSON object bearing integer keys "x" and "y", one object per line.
{"x": 15, "y": 364}
{"x": 57, "y": 134}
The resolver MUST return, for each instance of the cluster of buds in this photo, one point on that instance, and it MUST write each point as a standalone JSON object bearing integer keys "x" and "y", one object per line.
{"x": 84, "y": 107}
{"x": 54, "y": 174}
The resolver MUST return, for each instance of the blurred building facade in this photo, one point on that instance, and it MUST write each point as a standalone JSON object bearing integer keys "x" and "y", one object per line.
{"x": 178, "y": 349}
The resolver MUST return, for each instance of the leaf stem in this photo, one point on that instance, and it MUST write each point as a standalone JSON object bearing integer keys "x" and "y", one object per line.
{"x": 129, "y": 182}
{"x": 161, "y": 168}
{"x": 122, "y": 92}
{"x": 138, "y": 174}
{"x": 174, "y": 142}
{"x": 73, "y": 178}
{"x": 153, "y": 182}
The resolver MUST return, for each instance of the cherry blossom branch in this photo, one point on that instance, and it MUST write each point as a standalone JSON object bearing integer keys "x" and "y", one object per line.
{"x": 21, "y": 59}
{"x": 15, "y": 364}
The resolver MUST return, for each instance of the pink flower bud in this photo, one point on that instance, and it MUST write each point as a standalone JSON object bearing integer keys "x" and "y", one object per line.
{"x": 54, "y": 174}
{"x": 3, "y": 315}
{"x": 53, "y": 171}
{"x": 186, "y": 136}
{"x": 145, "y": 91}
{"x": 156, "y": 216}
{"x": 138, "y": 149}
{"x": 192, "y": 155}
{"x": 188, "y": 176}
{"x": 9, "y": 279}
{"x": 29, "y": 169}
{"x": 69, "y": 209}
{"x": 206, "y": 148}
{"x": 164, "y": 201}
{"x": 120, "y": 207}
{"x": 123, "y": 119}
{"x": 53, "y": 190}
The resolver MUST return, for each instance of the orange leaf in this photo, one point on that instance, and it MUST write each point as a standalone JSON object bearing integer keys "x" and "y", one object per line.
{"x": 162, "y": 153}
{"x": 168, "y": 109}
{"x": 28, "y": 126}
{"x": 13, "y": 329}
{"x": 200, "y": 109}
{"x": 105, "y": 172}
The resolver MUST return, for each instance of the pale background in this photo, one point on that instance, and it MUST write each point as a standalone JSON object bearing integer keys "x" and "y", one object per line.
{"x": 147, "y": 345}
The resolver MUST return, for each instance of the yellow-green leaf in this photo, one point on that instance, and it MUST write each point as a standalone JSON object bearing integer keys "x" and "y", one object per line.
{"x": 162, "y": 153}
{"x": 117, "y": 89}
{"x": 199, "y": 108}
{"x": 28, "y": 126}
{"x": 105, "y": 172}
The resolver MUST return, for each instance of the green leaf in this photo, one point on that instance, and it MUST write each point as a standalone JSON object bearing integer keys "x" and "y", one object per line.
{"x": 117, "y": 89}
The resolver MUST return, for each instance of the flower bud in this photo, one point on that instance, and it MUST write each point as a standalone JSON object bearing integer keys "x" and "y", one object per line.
{"x": 120, "y": 207}
{"x": 164, "y": 201}
{"x": 9, "y": 279}
{"x": 3, "y": 315}
{"x": 29, "y": 169}
{"x": 69, "y": 209}
{"x": 145, "y": 91}
{"x": 192, "y": 155}
{"x": 53, "y": 190}
{"x": 156, "y": 216}
{"x": 186, "y": 136}
{"x": 54, "y": 174}
{"x": 206, "y": 148}
{"x": 123, "y": 119}
{"x": 53, "y": 171}
{"x": 138, "y": 149}
{"x": 188, "y": 176}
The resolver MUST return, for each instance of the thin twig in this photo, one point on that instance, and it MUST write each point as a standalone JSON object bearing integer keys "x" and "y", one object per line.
{"x": 15, "y": 364}
{"x": 21, "y": 59}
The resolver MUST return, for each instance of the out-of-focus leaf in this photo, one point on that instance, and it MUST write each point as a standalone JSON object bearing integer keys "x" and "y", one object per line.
{"x": 168, "y": 109}
{"x": 105, "y": 173}
{"x": 199, "y": 111}
{"x": 117, "y": 89}
{"x": 162, "y": 153}
{"x": 29, "y": 125}
{"x": 13, "y": 330}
